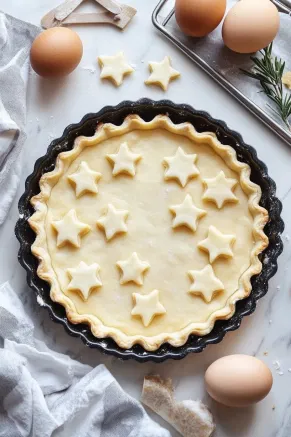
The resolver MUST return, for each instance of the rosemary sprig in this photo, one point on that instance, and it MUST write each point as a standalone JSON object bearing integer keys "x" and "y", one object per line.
{"x": 269, "y": 71}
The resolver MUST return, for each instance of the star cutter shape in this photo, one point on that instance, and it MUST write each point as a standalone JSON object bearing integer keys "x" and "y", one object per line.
{"x": 113, "y": 222}
{"x": 124, "y": 160}
{"x": 84, "y": 278}
{"x": 219, "y": 190}
{"x": 162, "y": 73}
{"x": 205, "y": 283}
{"x": 132, "y": 269}
{"x": 186, "y": 214}
{"x": 85, "y": 180}
{"x": 114, "y": 68}
{"x": 70, "y": 229}
{"x": 181, "y": 167}
{"x": 147, "y": 306}
{"x": 217, "y": 244}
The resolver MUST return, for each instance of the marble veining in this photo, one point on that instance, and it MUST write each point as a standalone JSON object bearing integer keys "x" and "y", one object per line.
{"x": 52, "y": 105}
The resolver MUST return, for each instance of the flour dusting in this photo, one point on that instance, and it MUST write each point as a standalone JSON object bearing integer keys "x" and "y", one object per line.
{"x": 40, "y": 301}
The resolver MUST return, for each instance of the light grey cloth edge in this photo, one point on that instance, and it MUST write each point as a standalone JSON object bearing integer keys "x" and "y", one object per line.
{"x": 16, "y": 37}
{"x": 44, "y": 393}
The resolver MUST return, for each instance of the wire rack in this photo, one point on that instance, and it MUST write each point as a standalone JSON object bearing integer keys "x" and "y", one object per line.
{"x": 198, "y": 50}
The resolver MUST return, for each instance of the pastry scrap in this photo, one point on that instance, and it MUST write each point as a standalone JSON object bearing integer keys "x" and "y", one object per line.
{"x": 205, "y": 283}
{"x": 219, "y": 190}
{"x": 286, "y": 79}
{"x": 187, "y": 214}
{"x": 181, "y": 167}
{"x": 85, "y": 180}
{"x": 217, "y": 244}
{"x": 70, "y": 229}
{"x": 162, "y": 73}
{"x": 132, "y": 269}
{"x": 113, "y": 222}
{"x": 84, "y": 278}
{"x": 147, "y": 306}
{"x": 190, "y": 418}
{"x": 114, "y": 68}
{"x": 124, "y": 160}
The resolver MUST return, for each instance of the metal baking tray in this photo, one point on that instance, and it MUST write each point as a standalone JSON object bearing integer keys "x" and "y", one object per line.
{"x": 178, "y": 113}
{"x": 223, "y": 65}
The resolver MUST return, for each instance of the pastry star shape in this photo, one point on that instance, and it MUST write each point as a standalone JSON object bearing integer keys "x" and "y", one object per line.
{"x": 114, "y": 68}
{"x": 187, "y": 214}
{"x": 85, "y": 179}
{"x": 181, "y": 167}
{"x": 124, "y": 160}
{"x": 132, "y": 269}
{"x": 147, "y": 306}
{"x": 219, "y": 190}
{"x": 70, "y": 229}
{"x": 205, "y": 283}
{"x": 217, "y": 244}
{"x": 162, "y": 73}
{"x": 113, "y": 222}
{"x": 84, "y": 278}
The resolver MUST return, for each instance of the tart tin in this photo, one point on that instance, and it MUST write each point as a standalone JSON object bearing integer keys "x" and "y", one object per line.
{"x": 178, "y": 113}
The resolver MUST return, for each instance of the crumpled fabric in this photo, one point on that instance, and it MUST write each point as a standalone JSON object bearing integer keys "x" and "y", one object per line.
{"x": 16, "y": 37}
{"x": 44, "y": 393}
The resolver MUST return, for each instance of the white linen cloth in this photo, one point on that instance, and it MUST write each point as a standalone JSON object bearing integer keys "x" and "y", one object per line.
{"x": 16, "y": 37}
{"x": 45, "y": 393}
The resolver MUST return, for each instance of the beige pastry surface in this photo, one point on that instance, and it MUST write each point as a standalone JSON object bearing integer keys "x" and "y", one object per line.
{"x": 171, "y": 252}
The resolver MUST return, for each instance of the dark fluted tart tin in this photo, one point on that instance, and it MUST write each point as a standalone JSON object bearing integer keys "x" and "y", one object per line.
{"x": 178, "y": 113}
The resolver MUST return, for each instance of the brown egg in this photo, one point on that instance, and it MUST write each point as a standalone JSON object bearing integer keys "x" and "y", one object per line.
{"x": 250, "y": 25}
{"x": 56, "y": 52}
{"x": 199, "y": 17}
{"x": 238, "y": 380}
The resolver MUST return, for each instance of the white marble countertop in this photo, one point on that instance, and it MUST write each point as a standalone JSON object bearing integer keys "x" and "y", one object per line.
{"x": 52, "y": 105}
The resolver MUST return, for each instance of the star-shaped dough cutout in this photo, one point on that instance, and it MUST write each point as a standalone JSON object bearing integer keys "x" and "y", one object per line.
{"x": 132, "y": 269}
{"x": 217, "y": 244}
{"x": 70, "y": 229}
{"x": 113, "y": 222}
{"x": 124, "y": 160}
{"x": 162, "y": 73}
{"x": 205, "y": 283}
{"x": 181, "y": 167}
{"x": 147, "y": 306}
{"x": 187, "y": 214}
{"x": 219, "y": 190}
{"x": 85, "y": 180}
{"x": 84, "y": 278}
{"x": 114, "y": 68}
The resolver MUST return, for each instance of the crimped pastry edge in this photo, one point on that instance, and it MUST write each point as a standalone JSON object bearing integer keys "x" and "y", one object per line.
{"x": 108, "y": 130}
